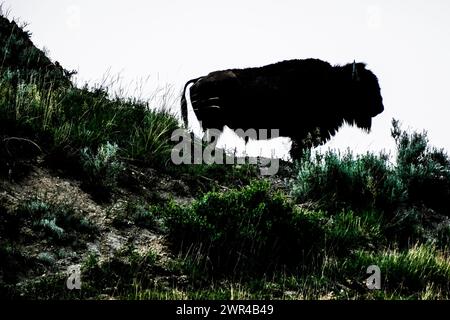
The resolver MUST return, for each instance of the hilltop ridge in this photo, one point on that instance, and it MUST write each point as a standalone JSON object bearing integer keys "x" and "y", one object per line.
{"x": 19, "y": 54}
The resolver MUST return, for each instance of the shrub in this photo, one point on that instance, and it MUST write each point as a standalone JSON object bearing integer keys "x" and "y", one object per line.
{"x": 102, "y": 168}
{"x": 49, "y": 227}
{"x": 335, "y": 183}
{"x": 420, "y": 177}
{"x": 252, "y": 229}
{"x": 46, "y": 258}
{"x": 424, "y": 170}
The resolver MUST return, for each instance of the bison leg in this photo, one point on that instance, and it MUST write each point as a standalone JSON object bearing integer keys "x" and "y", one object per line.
{"x": 296, "y": 149}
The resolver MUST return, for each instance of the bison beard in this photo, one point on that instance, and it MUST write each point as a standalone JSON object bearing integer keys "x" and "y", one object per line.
{"x": 307, "y": 100}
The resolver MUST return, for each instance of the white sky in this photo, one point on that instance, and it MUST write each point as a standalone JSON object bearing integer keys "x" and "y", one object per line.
{"x": 405, "y": 43}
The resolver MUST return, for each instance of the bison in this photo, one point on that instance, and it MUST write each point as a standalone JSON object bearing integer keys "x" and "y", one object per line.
{"x": 307, "y": 100}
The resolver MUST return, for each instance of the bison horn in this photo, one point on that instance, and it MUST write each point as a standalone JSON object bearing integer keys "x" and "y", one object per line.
{"x": 355, "y": 72}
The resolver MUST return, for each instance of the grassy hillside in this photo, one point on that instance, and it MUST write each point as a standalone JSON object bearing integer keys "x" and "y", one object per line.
{"x": 86, "y": 181}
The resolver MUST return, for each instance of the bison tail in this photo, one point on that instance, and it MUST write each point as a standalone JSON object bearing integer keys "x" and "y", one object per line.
{"x": 184, "y": 111}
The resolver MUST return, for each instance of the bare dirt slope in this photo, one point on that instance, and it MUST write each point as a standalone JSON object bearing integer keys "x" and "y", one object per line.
{"x": 111, "y": 229}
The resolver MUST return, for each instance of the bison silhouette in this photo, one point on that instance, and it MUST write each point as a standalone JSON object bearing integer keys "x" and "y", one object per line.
{"x": 307, "y": 100}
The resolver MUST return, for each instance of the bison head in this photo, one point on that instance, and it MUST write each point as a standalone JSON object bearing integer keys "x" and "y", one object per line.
{"x": 363, "y": 99}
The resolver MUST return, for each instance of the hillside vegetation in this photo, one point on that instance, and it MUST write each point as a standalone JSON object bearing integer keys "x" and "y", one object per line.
{"x": 86, "y": 181}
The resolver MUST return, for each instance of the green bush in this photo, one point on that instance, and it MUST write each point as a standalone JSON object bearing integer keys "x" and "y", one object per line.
{"x": 419, "y": 177}
{"x": 248, "y": 230}
{"x": 423, "y": 170}
{"x": 335, "y": 183}
{"x": 102, "y": 168}
{"x": 46, "y": 258}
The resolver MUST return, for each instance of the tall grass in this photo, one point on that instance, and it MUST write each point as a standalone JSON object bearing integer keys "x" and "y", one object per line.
{"x": 407, "y": 271}
{"x": 64, "y": 121}
{"x": 40, "y": 103}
